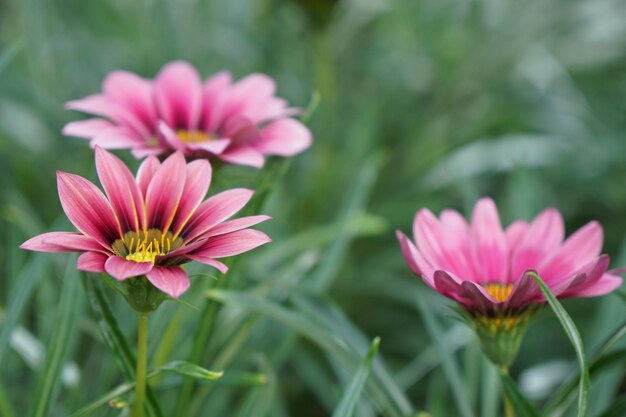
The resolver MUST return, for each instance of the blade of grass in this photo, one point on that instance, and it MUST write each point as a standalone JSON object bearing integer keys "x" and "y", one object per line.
{"x": 561, "y": 399}
{"x": 114, "y": 338}
{"x": 353, "y": 392}
{"x": 26, "y": 283}
{"x": 49, "y": 380}
{"x": 522, "y": 406}
{"x": 575, "y": 339}
{"x": 177, "y": 367}
{"x": 450, "y": 368}
{"x": 6, "y": 409}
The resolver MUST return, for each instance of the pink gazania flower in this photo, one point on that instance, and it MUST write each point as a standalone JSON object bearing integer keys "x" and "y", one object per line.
{"x": 239, "y": 123}
{"x": 151, "y": 224}
{"x": 486, "y": 269}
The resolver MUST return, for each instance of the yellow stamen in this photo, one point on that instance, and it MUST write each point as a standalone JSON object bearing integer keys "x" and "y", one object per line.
{"x": 193, "y": 136}
{"x": 500, "y": 292}
{"x": 143, "y": 246}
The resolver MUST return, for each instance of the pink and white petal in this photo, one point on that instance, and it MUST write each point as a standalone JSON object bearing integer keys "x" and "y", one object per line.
{"x": 249, "y": 93}
{"x": 215, "y": 210}
{"x": 87, "y": 208}
{"x": 121, "y": 189}
{"x": 117, "y": 137}
{"x": 232, "y": 244}
{"x": 284, "y": 137}
{"x": 171, "y": 138}
{"x": 487, "y": 243}
{"x": 415, "y": 260}
{"x": 198, "y": 179}
{"x": 172, "y": 280}
{"x": 91, "y": 262}
{"x": 213, "y": 146}
{"x": 121, "y": 269}
{"x": 178, "y": 95}
{"x": 209, "y": 261}
{"x": 165, "y": 191}
{"x": 146, "y": 172}
{"x": 215, "y": 96}
{"x": 243, "y": 155}
{"x": 577, "y": 251}
{"x": 86, "y": 128}
{"x": 542, "y": 238}
{"x": 132, "y": 93}
{"x": 234, "y": 225}
{"x": 62, "y": 242}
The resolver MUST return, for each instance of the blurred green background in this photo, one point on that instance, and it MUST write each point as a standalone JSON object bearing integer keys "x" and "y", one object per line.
{"x": 424, "y": 103}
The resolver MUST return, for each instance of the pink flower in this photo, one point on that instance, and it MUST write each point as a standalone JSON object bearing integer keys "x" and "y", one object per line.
{"x": 485, "y": 268}
{"x": 151, "y": 224}
{"x": 238, "y": 123}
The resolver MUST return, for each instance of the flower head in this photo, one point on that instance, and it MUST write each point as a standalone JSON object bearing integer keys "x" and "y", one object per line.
{"x": 150, "y": 224}
{"x": 238, "y": 122}
{"x": 489, "y": 270}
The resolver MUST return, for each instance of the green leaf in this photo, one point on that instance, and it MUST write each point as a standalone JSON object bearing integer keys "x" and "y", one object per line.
{"x": 450, "y": 367}
{"x": 49, "y": 384}
{"x": 191, "y": 370}
{"x": 574, "y": 337}
{"x": 522, "y": 406}
{"x": 353, "y": 392}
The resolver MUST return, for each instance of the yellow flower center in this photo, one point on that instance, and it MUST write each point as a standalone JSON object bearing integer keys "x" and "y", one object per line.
{"x": 146, "y": 245}
{"x": 193, "y": 136}
{"x": 500, "y": 292}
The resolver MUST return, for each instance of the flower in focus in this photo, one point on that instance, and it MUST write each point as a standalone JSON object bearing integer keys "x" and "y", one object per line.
{"x": 152, "y": 224}
{"x": 238, "y": 122}
{"x": 489, "y": 270}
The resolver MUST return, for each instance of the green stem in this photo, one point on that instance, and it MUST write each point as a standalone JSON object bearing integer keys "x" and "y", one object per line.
{"x": 509, "y": 411}
{"x": 142, "y": 365}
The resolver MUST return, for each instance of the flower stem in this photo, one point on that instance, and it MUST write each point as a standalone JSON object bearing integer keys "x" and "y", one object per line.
{"x": 142, "y": 364}
{"x": 509, "y": 411}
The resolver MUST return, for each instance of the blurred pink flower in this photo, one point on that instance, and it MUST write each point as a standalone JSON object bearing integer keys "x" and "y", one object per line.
{"x": 485, "y": 268}
{"x": 238, "y": 123}
{"x": 151, "y": 224}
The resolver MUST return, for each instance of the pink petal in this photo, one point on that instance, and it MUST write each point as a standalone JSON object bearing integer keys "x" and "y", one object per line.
{"x": 172, "y": 280}
{"x": 284, "y": 137}
{"x": 576, "y": 252}
{"x": 86, "y": 128}
{"x": 488, "y": 244}
{"x": 91, "y": 262}
{"x": 118, "y": 137}
{"x": 215, "y": 210}
{"x": 215, "y": 96}
{"x": 525, "y": 290}
{"x": 102, "y": 106}
{"x": 121, "y": 189}
{"x": 209, "y": 261}
{"x": 164, "y": 192}
{"x": 234, "y": 225}
{"x": 605, "y": 285}
{"x": 198, "y": 179}
{"x": 145, "y": 151}
{"x": 62, "y": 242}
{"x": 146, "y": 172}
{"x": 214, "y": 146}
{"x": 543, "y": 236}
{"x": 449, "y": 286}
{"x": 232, "y": 244}
{"x": 248, "y": 96}
{"x": 592, "y": 273}
{"x": 121, "y": 269}
{"x": 87, "y": 208}
{"x": 171, "y": 138}
{"x": 178, "y": 95}
{"x": 415, "y": 260}
{"x": 243, "y": 155}
{"x": 478, "y": 299}
{"x": 134, "y": 94}
{"x": 514, "y": 234}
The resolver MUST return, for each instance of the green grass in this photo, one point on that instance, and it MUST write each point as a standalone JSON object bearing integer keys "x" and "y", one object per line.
{"x": 427, "y": 103}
